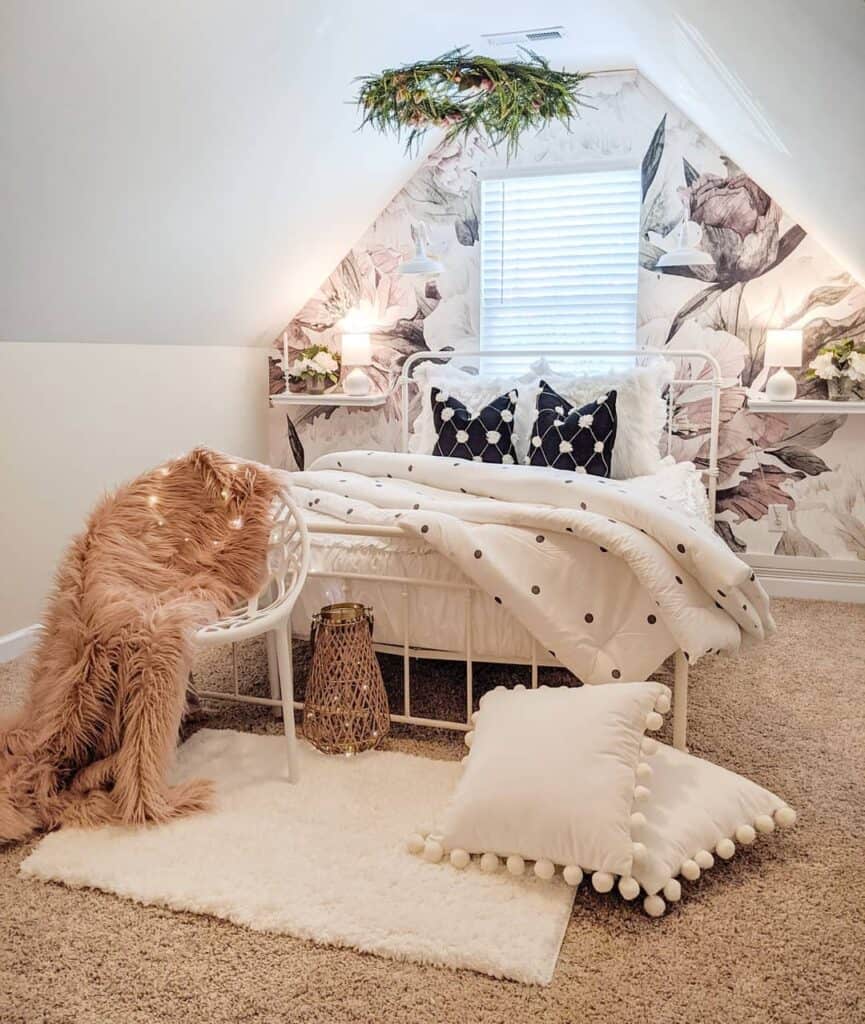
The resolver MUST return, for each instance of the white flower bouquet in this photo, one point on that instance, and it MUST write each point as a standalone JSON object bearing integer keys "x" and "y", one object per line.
{"x": 315, "y": 367}
{"x": 841, "y": 364}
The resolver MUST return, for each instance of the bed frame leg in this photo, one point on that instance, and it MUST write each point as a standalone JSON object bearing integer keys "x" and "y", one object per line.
{"x": 680, "y": 702}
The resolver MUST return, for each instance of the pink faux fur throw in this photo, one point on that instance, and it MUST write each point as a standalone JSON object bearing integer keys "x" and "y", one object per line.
{"x": 165, "y": 554}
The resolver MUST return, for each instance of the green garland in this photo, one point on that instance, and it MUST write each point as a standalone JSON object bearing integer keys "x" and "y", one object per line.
{"x": 465, "y": 94}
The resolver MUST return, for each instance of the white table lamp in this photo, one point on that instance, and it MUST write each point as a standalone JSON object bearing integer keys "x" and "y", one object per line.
{"x": 783, "y": 349}
{"x": 356, "y": 352}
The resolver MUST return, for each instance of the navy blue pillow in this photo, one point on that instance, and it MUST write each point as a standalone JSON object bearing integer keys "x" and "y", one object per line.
{"x": 487, "y": 437}
{"x": 579, "y": 440}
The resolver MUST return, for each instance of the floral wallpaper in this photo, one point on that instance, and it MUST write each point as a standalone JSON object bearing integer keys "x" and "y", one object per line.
{"x": 767, "y": 272}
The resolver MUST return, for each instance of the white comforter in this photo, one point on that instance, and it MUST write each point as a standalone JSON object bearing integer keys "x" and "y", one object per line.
{"x": 522, "y": 534}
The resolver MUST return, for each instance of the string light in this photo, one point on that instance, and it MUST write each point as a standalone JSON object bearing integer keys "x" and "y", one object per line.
{"x": 152, "y": 500}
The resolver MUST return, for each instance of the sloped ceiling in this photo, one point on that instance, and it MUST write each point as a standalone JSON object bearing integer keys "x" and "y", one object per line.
{"x": 188, "y": 171}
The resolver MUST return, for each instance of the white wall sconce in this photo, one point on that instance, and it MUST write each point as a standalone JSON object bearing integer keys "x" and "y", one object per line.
{"x": 783, "y": 349}
{"x": 420, "y": 263}
{"x": 686, "y": 253}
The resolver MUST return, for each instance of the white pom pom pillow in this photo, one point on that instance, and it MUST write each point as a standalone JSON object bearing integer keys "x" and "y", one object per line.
{"x": 553, "y": 777}
{"x": 566, "y": 778}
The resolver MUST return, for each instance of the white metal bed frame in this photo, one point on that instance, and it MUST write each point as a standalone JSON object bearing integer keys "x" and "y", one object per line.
{"x": 405, "y": 649}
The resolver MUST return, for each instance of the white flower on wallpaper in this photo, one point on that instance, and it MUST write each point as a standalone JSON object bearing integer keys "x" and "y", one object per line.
{"x": 453, "y": 322}
{"x": 831, "y": 507}
{"x": 766, "y": 272}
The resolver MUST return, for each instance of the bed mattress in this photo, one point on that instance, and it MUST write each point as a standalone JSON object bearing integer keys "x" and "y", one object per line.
{"x": 443, "y": 619}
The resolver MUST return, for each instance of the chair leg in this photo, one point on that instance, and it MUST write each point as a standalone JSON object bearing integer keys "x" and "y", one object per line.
{"x": 272, "y": 670}
{"x": 286, "y": 685}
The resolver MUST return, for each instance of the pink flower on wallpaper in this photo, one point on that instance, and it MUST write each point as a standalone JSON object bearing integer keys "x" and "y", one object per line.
{"x": 365, "y": 281}
{"x": 740, "y": 224}
{"x": 451, "y": 165}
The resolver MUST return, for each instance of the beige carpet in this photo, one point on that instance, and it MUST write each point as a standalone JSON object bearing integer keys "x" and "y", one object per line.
{"x": 778, "y": 934}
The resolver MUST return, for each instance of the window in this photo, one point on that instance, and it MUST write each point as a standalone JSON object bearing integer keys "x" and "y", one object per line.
{"x": 559, "y": 257}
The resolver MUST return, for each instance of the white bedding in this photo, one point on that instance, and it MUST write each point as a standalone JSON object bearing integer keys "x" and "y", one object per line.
{"x": 593, "y": 607}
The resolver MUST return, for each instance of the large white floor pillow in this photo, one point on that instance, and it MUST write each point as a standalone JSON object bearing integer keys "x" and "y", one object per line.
{"x": 697, "y": 812}
{"x": 566, "y": 777}
{"x": 552, "y": 777}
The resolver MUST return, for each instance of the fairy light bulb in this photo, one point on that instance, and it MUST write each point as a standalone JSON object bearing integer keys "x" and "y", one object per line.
{"x": 153, "y": 500}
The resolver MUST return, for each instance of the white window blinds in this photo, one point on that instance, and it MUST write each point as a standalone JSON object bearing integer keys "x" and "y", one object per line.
{"x": 559, "y": 256}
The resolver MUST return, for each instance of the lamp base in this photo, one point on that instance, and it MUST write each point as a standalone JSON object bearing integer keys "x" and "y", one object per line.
{"x": 781, "y": 386}
{"x": 356, "y": 383}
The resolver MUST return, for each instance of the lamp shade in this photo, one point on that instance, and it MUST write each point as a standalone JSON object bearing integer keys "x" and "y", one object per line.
{"x": 356, "y": 349}
{"x": 783, "y": 348}
{"x": 687, "y": 257}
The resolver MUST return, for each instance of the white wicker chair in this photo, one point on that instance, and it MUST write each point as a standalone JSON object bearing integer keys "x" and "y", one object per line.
{"x": 269, "y": 612}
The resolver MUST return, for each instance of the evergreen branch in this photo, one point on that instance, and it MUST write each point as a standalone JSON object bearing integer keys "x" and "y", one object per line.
{"x": 463, "y": 94}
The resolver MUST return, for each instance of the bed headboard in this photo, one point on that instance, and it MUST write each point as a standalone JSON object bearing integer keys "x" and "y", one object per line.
{"x": 713, "y": 382}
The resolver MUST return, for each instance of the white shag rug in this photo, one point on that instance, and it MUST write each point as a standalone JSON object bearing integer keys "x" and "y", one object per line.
{"x": 324, "y": 859}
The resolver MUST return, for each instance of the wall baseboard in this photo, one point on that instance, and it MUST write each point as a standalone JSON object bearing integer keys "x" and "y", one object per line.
{"x": 815, "y": 579}
{"x": 13, "y": 645}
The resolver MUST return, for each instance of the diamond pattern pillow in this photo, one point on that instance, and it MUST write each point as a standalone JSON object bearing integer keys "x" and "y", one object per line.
{"x": 577, "y": 440}
{"x": 487, "y": 437}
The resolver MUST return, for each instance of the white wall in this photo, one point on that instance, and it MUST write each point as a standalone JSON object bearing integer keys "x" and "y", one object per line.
{"x": 78, "y": 419}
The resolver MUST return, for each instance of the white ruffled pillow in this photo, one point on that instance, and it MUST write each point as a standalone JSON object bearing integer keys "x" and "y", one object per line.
{"x": 474, "y": 391}
{"x": 640, "y": 409}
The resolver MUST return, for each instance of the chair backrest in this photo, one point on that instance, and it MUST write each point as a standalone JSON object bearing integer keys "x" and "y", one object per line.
{"x": 287, "y": 567}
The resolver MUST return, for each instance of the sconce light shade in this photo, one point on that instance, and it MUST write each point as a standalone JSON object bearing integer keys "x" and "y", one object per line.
{"x": 686, "y": 257}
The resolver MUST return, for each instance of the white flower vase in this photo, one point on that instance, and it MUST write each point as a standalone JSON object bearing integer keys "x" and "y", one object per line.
{"x": 839, "y": 388}
{"x": 316, "y": 384}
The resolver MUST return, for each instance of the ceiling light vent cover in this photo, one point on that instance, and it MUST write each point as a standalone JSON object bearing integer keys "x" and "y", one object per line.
{"x": 529, "y": 36}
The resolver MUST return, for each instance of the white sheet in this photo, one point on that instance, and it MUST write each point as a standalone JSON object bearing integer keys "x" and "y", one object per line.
{"x": 593, "y": 607}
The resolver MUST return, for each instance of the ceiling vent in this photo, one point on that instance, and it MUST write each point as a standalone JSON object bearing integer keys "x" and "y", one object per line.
{"x": 530, "y": 37}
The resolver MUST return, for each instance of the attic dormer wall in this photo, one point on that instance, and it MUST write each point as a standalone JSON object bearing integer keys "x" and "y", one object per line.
{"x": 769, "y": 273}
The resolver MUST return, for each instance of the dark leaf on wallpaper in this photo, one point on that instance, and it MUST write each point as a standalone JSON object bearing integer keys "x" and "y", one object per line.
{"x": 431, "y": 292}
{"x": 649, "y": 254}
{"x": 756, "y": 491}
{"x": 700, "y": 273}
{"x": 725, "y": 532}
{"x": 652, "y": 158}
{"x": 467, "y": 231}
{"x": 821, "y": 332}
{"x": 787, "y": 243}
{"x": 277, "y": 377}
{"x": 829, "y": 295}
{"x": 406, "y": 335}
{"x": 692, "y": 306}
{"x": 294, "y": 443}
{"x": 800, "y": 458}
{"x": 814, "y": 434}
{"x": 691, "y": 173}
{"x": 795, "y": 544}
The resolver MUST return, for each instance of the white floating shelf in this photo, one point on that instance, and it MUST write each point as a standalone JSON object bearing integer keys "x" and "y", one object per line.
{"x": 374, "y": 398}
{"x": 758, "y": 402}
